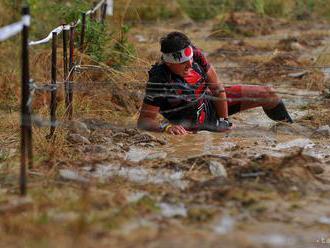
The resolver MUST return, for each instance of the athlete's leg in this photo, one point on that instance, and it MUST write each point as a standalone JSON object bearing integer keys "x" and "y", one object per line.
{"x": 258, "y": 96}
{"x": 279, "y": 113}
{"x": 251, "y": 96}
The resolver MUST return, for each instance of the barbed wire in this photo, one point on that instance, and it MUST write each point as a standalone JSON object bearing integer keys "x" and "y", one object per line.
{"x": 79, "y": 85}
{"x": 324, "y": 68}
{"x": 204, "y": 96}
{"x": 289, "y": 67}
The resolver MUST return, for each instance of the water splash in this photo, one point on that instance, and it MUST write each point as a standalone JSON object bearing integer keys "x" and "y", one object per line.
{"x": 225, "y": 225}
{"x": 277, "y": 240}
{"x": 138, "y": 154}
{"x": 301, "y": 142}
{"x": 141, "y": 175}
{"x": 173, "y": 210}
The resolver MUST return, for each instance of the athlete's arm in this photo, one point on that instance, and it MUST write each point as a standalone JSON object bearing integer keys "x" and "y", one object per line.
{"x": 148, "y": 121}
{"x": 218, "y": 91}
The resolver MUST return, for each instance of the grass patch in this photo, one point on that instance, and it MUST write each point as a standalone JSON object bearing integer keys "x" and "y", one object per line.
{"x": 204, "y": 9}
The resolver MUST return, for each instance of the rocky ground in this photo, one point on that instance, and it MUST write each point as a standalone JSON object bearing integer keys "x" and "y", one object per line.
{"x": 264, "y": 184}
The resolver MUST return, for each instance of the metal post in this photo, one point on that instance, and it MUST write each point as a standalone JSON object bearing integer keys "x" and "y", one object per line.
{"x": 82, "y": 34}
{"x": 53, "y": 102}
{"x": 29, "y": 137}
{"x": 69, "y": 99}
{"x": 65, "y": 53}
{"x": 104, "y": 12}
{"x": 65, "y": 64}
{"x": 25, "y": 113}
{"x": 29, "y": 128}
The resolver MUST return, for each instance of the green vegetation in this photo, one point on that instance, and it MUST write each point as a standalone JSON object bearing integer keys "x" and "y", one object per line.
{"x": 203, "y": 9}
{"x": 123, "y": 51}
{"x": 152, "y": 10}
{"x": 199, "y": 10}
{"x": 277, "y": 8}
{"x": 296, "y": 9}
{"x": 71, "y": 11}
{"x": 95, "y": 40}
{"x": 149, "y": 10}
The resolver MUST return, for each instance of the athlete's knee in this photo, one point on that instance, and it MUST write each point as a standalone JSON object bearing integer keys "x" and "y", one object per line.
{"x": 270, "y": 96}
{"x": 263, "y": 91}
{"x": 270, "y": 91}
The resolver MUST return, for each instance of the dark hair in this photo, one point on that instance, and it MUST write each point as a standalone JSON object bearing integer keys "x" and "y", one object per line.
{"x": 173, "y": 42}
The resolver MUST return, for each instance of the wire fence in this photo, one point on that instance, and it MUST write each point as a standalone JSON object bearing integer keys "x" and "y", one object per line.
{"x": 28, "y": 87}
{"x": 253, "y": 67}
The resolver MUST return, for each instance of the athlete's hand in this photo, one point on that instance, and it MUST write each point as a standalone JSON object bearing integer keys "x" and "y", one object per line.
{"x": 177, "y": 130}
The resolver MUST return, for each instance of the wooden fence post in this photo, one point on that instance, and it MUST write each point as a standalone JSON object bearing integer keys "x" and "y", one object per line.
{"x": 104, "y": 12}
{"x": 26, "y": 129}
{"x": 65, "y": 53}
{"x": 65, "y": 64}
{"x": 69, "y": 100}
{"x": 53, "y": 101}
{"x": 82, "y": 34}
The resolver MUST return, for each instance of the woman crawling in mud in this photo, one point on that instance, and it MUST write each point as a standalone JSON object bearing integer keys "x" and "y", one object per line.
{"x": 186, "y": 90}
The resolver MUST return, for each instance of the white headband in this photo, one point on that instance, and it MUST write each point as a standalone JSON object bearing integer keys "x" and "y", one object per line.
{"x": 178, "y": 57}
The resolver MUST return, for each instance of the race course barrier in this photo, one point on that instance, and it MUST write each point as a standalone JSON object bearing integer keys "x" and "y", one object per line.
{"x": 28, "y": 86}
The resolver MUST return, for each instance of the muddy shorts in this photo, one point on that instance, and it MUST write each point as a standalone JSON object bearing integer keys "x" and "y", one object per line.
{"x": 238, "y": 97}
{"x": 234, "y": 101}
